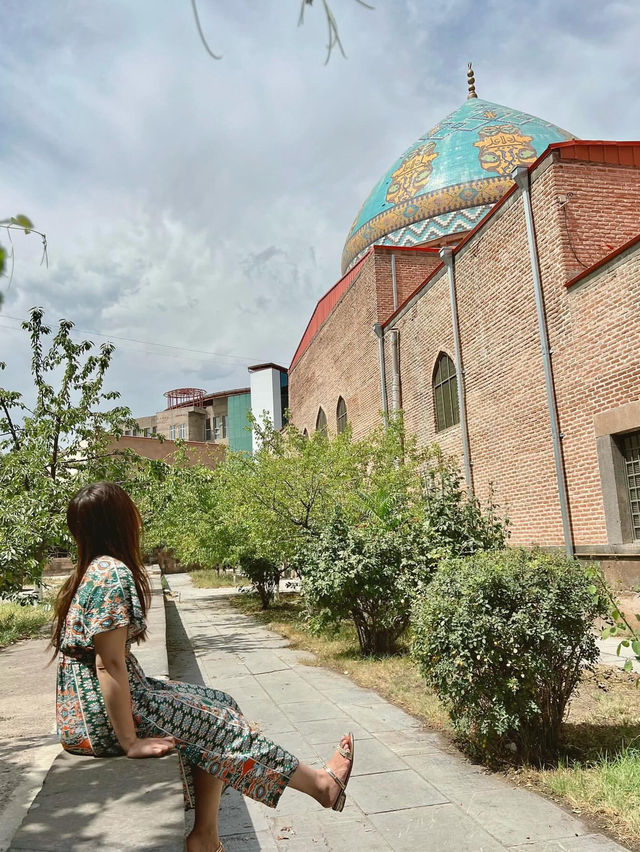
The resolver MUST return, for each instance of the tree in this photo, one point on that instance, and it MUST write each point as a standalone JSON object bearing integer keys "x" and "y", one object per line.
{"x": 51, "y": 449}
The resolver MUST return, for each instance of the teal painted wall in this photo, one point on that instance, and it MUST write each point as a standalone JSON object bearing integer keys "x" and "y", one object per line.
{"x": 239, "y": 432}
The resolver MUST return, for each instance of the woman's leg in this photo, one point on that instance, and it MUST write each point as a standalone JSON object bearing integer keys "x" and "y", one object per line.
{"x": 317, "y": 783}
{"x": 208, "y": 789}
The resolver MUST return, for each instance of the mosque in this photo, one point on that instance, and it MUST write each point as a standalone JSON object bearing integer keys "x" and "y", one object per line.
{"x": 491, "y": 290}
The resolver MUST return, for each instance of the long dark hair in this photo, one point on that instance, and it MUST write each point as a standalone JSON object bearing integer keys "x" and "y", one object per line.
{"x": 104, "y": 521}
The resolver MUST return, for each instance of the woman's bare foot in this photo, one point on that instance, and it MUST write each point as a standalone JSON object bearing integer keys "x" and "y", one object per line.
{"x": 342, "y": 767}
{"x": 197, "y": 842}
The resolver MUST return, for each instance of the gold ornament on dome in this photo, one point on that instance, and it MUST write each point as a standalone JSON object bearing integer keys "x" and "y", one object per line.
{"x": 503, "y": 147}
{"x": 412, "y": 175}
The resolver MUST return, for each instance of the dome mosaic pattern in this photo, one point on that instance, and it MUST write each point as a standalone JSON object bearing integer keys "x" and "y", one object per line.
{"x": 449, "y": 179}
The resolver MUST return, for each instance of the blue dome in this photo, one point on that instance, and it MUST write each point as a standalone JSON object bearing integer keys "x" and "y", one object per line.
{"x": 449, "y": 179}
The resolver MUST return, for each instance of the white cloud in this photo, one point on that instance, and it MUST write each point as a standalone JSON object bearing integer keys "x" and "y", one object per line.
{"x": 205, "y": 204}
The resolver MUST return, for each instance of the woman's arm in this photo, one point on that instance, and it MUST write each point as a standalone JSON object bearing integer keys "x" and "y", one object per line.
{"x": 111, "y": 668}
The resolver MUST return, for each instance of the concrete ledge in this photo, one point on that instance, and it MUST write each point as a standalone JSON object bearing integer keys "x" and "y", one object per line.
{"x": 90, "y": 804}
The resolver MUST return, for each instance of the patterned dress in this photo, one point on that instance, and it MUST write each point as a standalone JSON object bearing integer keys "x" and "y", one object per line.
{"x": 210, "y": 730}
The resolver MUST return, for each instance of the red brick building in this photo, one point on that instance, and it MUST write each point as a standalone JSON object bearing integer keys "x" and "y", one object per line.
{"x": 507, "y": 330}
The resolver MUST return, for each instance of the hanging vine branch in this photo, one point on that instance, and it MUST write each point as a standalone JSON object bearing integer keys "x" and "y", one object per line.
{"x": 201, "y": 33}
{"x": 332, "y": 26}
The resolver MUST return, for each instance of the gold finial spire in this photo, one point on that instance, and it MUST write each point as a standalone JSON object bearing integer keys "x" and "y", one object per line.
{"x": 471, "y": 80}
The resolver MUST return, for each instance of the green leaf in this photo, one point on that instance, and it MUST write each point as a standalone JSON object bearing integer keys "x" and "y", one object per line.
{"x": 592, "y": 590}
{"x": 628, "y": 666}
{"x": 636, "y": 646}
{"x": 23, "y": 221}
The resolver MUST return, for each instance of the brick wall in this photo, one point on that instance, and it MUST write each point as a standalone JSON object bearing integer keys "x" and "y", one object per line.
{"x": 208, "y": 454}
{"x": 342, "y": 359}
{"x": 597, "y": 368}
{"x": 594, "y": 331}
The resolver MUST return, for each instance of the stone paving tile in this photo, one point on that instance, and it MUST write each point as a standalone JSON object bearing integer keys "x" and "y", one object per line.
{"x": 262, "y": 662}
{"x": 411, "y": 741}
{"x": 444, "y": 826}
{"x": 328, "y": 730}
{"x": 407, "y": 792}
{"x": 391, "y": 791}
{"x": 381, "y": 718}
{"x": 584, "y": 843}
{"x": 371, "y": 757}
{"x": 260, "y": 841}
{"x": 312, "y": 711}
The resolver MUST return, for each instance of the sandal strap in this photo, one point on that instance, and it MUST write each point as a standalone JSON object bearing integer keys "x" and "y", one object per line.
{"x": 345, "y": 752}
{"x": 335, "y": 777}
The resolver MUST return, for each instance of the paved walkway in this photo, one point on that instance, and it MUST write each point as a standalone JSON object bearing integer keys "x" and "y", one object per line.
{"x": 408, "y": 791}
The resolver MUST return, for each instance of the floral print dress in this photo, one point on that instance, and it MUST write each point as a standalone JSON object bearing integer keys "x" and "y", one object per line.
{"x": 209, "y": 728}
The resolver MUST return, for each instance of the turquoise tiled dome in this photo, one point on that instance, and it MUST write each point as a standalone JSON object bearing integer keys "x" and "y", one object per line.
{"x": 449, "y": 179}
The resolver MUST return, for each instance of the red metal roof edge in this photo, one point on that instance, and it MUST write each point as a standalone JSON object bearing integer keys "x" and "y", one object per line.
{"x": 603, "y": 261}
{"x": 234, "y": 392}
{"x": 298, "y": 353}
{"x": 393, "y": 249}
{"x": 470, "y": 234}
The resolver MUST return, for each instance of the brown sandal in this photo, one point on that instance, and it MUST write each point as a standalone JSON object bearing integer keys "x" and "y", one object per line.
{"x": 348, "y": 753}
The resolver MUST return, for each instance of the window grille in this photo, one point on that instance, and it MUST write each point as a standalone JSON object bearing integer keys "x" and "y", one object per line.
{"x": 172, "y": 433}
{"x": 341, "y": 415}
{"x": 445, "y": 393}
{"x": 631, "y": 453}
{"x": 183, "y": 430}
{"x": 321, "y": 421}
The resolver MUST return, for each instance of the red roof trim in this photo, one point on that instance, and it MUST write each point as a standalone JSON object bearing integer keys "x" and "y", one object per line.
{"x": 596, "y": 152}
{"x": 603, "y": 261}
{"x": 218, "y": 394}
{"x": 324, "y": 307}
{"x": 388, "y": 249}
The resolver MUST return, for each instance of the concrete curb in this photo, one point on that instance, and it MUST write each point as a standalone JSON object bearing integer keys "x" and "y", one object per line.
{"x": 88, "y": 803}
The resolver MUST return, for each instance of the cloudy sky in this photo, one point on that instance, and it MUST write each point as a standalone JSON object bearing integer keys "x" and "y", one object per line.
{"x": 204, "y": 204}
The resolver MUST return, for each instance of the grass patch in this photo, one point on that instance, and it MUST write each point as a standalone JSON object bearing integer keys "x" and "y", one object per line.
{"x": 209, "y": 578}
{"x": 598, "y": 775}
{"x": 21, "y": 622}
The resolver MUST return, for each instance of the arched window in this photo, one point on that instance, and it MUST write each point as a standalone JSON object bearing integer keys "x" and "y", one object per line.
{"x": 321, "y": 421}
{"x": 341, "y": 415}
{"x": 445, "y": 393}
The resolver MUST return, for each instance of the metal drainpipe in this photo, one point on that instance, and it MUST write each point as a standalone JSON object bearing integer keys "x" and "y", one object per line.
{"x": 395, "y": 343}
{"x": 521, "y": 176}
{"x": 379, "y": 333}
{"x": 447, "y": 258}
{"x": 394, "y": 282}
{"x": 395, "y": 369}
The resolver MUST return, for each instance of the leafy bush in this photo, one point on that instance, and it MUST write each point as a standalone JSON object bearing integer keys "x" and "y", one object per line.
{"x": 368, "y": 573}
{"x": 502, "y": 637}
{"x": 264, "y": 575}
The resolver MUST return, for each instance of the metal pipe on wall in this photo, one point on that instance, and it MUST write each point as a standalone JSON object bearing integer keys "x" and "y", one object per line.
{"x": 394, "y": 282}
{"x": 521, "y": 176}
{"x": 447, "y": 257}
{"x": 379, "y": 333}
{"x": 395, "y": 370}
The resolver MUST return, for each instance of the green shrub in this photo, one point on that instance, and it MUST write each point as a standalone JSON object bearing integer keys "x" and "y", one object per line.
{"x": 368, "y": 573}
{"x": 502, "y": 637}
{"x": 264, "y": 575}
